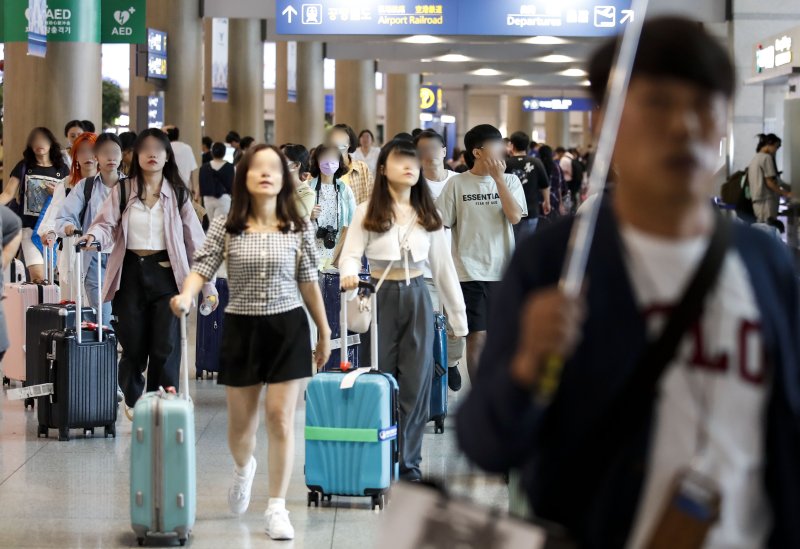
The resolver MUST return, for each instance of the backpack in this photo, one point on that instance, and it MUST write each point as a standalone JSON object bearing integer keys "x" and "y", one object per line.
{"x": 736, "y": 192}
{"x": 578, "y": 171}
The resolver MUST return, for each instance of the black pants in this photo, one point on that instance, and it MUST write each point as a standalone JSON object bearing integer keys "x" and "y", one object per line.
{"x": 146, "y": 327}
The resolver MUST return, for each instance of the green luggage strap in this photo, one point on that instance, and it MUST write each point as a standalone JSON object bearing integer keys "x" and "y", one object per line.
{"x": 342, "y": 434}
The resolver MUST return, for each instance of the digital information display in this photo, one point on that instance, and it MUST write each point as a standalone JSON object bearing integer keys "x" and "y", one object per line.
{"x": 156, "y": 54}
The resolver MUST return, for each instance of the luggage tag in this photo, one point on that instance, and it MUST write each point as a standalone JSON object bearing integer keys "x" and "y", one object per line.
{"x": 692, "y": 509}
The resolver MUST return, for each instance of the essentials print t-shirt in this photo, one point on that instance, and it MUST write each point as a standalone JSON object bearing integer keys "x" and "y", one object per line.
{"x": 33, "y": 186}
{"x": 716, "y": 384}
{"x": 482, "y": 236}
{"x": 533, "y": 177}
{"x": 761, "y": 168}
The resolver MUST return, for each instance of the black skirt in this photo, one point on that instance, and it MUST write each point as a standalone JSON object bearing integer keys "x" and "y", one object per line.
{"x": 265, "y": 349}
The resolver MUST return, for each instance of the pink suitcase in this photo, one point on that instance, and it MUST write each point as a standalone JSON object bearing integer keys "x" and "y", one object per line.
{"x": 18, "y": 297}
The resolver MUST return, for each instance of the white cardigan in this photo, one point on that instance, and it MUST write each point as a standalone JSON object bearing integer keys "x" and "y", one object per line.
{"x": 422, "y": 245}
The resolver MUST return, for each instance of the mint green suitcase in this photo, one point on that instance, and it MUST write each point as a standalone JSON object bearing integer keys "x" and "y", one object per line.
{"x": 163, "y": 462}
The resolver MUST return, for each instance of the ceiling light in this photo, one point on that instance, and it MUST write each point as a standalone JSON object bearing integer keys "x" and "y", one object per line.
{"x": 486, "y": 72}
{"x": 556, "y": 58}
{"x": 544, "y": 40}
{"x": 422, "y": 39}
{"x": 573, "y": 72}
{"x": 585, "y": 83}
{"x": 425, "y": 60}
{"x": 453, "y": 58}
{"x": 517, "y": 82}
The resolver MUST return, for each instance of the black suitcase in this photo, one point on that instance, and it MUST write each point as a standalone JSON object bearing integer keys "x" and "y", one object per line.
{"x": 82, "y": 366}
{"x": 42, "y": 318}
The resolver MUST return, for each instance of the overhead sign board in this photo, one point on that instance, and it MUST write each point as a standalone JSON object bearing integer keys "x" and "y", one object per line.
{"x": 430, "y": 99}
{"x": 155, "y": 111}
{"x": 557, "y": 104}
{"x": 453, "y": 17}
{"x": 156, "y": 54}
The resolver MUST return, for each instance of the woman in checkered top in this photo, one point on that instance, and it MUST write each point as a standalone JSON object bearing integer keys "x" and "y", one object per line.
{"x": 271, "y": 253}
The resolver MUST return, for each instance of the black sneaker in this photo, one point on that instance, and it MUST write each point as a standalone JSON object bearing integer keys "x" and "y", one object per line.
{"x": 454, "y": 378}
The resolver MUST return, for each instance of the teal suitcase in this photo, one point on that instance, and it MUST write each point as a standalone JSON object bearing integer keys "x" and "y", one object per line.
{"x": 351, "y": 432}
{"x": 163, "y": 462}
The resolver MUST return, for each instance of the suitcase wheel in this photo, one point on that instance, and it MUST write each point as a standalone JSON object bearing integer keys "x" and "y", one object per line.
{"x": 182, "y": 541}
{"x": 209, "y": 375}
{"x": 6, "y": 382}
{"x": 439, "y": 426}
{"x": 313, "y": 497}
{"x": 328, "y": 498}
{"x": 29, "y": 402}
{"x": 110, "y": 431}
{"x": 88, "y": 433}
{"x": 198, "y": 374}
{"x": 140, "y": 541}
{"x": 378, "y": 501}
{"x": 42, "y": 431}
{"x": 63, "y": 434}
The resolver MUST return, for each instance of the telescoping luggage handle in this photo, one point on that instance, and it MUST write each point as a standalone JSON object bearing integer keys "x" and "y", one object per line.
{"x": 350, "y": 379}
{"x": 184, "y": 356}
{"x": 79, "y": 247}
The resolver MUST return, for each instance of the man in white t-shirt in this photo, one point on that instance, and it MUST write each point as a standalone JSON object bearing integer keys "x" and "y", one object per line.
{"x": 704, "y": 452}
{"x": 481, "y": 207}
{"x": 432, "y": 152}
{"x": 184, "y": 157}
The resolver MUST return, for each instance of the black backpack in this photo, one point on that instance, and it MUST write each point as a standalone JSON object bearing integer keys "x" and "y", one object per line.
{"x": 736, "y": 192}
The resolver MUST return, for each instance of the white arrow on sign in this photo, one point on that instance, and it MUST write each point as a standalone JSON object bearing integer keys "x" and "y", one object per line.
{"x": 289, "y": 11}
{"x": 627, "y": 15}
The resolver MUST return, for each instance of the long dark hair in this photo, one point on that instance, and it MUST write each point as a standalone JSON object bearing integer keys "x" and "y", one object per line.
{"x": 170, "y": 171}
{"x": 241, "y": 205}
{"x": 767, "y": 139}
{"x": 55, "y": 154}
{"x": 546, "y": 156}
{"x": 380, "y": 211}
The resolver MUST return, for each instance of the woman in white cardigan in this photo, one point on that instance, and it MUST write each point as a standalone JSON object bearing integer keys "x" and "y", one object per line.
{"x": 398, "y": 230}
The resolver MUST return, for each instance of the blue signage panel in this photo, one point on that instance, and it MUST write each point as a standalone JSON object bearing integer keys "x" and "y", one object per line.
{"x": 454, "y": 17}
{"x": 557, "y": 104}
{"x": 155, "y": 111}
{"x": 156, "y": 54}
{"x": 328, "y": 103}
{"x": 430, "y": 99}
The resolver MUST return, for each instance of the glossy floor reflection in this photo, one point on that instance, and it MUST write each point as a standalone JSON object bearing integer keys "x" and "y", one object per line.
{"x": 75, "y": 494}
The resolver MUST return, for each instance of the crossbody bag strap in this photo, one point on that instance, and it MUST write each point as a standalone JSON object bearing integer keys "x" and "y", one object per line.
{"x": 402, "y": 245}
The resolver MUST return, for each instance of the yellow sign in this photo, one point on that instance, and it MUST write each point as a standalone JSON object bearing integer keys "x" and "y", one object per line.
{"x": 430, "y": 99}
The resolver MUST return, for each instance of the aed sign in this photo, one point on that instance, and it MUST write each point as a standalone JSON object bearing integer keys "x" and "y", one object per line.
{"x": 430, "y": 99}
{"x": 776, "y": 54}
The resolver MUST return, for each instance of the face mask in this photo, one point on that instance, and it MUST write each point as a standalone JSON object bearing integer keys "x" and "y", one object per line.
{"x": 329, "y": 167}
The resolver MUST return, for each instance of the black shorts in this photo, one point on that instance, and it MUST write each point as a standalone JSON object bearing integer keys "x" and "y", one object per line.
{"x": 477, "y": 298}
{"x": 265, "y": 349}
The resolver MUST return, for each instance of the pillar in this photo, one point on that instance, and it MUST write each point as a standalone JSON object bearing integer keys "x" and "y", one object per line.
{"x": 556, "y": 129}
{"x": 246, "y": 77}
{"x": 587, "y": 137}
{"x": 354, "y": 98}
{"x": 216, "y": 114}
{"x": 516, "y": 118}
{"x": 402, "y": 103}
{"x": 183, "y": 89}
{"x": 65, "y": 85}
{"x": 303, "y": 121}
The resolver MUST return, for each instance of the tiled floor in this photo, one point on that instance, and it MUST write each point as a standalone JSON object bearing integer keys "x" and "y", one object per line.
{"x": 75, "y": 494}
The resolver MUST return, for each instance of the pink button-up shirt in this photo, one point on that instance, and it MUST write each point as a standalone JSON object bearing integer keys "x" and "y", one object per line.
{"x": 182, "y": 231}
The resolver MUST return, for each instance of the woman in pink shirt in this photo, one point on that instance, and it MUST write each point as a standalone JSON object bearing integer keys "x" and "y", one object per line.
{"x": 154, "y": 231}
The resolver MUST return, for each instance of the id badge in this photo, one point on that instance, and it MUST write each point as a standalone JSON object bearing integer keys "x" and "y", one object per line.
{"x": 690, "y": 511}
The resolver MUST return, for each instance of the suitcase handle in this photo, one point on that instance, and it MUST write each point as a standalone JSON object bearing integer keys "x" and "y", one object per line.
{"x": 79, "y": 248}
{"x": 184, "y": 356}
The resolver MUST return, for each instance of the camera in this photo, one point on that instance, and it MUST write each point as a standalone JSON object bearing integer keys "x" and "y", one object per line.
{"x": 328, "y": 236}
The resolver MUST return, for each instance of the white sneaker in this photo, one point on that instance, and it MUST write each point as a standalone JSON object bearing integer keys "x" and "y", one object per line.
{"x": 278, "y": 525}
{"x": 239, "y": 493}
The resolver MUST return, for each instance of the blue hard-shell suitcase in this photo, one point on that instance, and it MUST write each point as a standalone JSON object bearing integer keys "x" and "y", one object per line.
{"x": 438, "y": 410}
{"x": 352, "y": 445}
{"x": 163, "y": 489}
{"x": 329, "y": 284}
{"x": 209, "y": 335}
